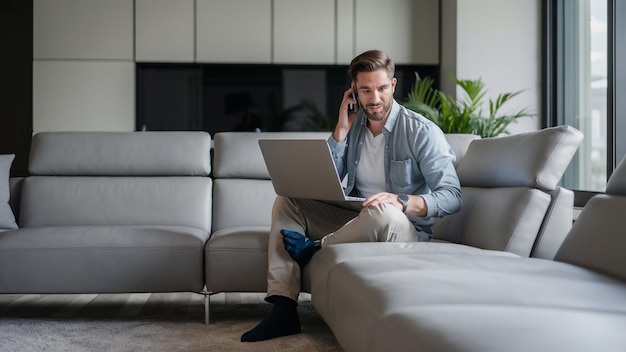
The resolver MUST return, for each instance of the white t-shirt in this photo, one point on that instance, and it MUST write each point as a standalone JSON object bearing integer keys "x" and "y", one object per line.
{"x": 370, "y": 171}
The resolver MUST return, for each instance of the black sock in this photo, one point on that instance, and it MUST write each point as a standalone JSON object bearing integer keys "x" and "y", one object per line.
{"x": 282, "y": 320}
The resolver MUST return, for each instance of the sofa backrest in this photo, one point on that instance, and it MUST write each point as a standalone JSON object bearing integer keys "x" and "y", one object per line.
{"x": 459, "y": 142}
{"x": 507, "y": 185}
{"x": 242, "y": 185}
{"x": 118, "y": 178}
{"x": 597, "y": 240}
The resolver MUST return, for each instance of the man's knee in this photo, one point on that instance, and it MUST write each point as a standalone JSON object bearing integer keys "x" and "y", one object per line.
{"x": 389, "y": 223}
{"x": 383, "y": 214}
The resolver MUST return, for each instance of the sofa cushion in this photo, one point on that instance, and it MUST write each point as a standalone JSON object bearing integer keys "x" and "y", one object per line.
{"x": 534, "y": 159}
{"x": 15, "y": 187}
{"x": 78, "y": 201}
{"x": 7, "y": 218}
{"x": 242, "y": 202}
{"x": 315, "y": 275}
{"x": 236, "y": 259}
{"x": 102, "y": 259}
{"x": 120, "y": 153}
{"x": 237, "y": 154}
{"x": 459, "y": 142}
{"x": 506, "y": 218}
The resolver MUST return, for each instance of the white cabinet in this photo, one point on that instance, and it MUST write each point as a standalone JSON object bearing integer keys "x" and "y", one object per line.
{"x": 83, "y": 68}
{"x": 407, "y": 30}
{"x": 73, "y": 95}
{"x": 304, "y": 31}
{"x": 83, "y": 29}
{"x": 164, "y": 30}
{"x": 234, "y": 31}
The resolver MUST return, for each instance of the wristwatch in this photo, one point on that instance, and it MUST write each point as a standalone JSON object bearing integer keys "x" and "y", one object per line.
{"x": 404, "y": 200}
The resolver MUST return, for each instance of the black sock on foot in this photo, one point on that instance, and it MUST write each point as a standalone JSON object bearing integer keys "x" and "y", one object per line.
{"x": 282, "y": 320}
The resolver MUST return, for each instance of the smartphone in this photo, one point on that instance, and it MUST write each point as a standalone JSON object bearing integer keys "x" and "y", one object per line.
{"x": 351, "y": 109}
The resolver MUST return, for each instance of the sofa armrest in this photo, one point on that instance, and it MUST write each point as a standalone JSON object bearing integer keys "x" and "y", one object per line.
{"x": 508, "y": 184}
{"x": 556, "y": 224}
{"x": 596, "y": 240}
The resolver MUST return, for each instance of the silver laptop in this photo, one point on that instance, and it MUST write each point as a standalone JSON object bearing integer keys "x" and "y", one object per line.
{"x": 303, "y": 168}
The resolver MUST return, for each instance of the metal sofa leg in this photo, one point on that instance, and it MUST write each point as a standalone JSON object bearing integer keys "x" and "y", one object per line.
{"x": 207, "y": 303}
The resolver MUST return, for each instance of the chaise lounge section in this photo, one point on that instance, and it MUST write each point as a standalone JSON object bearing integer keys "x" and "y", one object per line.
{"x": 485, "y": 302}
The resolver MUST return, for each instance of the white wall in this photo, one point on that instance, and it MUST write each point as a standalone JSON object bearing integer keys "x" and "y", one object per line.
{"x": 500, "y": 42}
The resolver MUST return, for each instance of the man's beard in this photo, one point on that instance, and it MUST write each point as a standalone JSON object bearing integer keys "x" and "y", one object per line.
{"x": 378, "y": 116}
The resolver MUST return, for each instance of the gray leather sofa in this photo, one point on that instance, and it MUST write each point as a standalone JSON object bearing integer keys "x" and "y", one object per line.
{"x": 145, "y": 212}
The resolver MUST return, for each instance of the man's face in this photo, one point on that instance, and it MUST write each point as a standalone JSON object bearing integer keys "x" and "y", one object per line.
{"x": 375, "y": 93}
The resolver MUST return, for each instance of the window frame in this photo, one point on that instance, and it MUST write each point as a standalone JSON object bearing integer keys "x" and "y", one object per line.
{"x": 553, "y": 71}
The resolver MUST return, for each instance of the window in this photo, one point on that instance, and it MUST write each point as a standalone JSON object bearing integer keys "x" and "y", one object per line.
{"x": 583, "y": 46}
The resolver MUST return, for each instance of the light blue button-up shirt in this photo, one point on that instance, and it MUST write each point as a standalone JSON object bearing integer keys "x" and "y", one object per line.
{"x": 418, "y": 161}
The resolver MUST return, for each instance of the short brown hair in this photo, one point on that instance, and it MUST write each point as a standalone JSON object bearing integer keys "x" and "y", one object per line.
{"x": 370, "y": 61}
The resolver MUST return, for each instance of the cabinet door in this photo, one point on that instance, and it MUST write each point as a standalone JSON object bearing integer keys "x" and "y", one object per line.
{"x": 233, "y": 31}
{"x": 407, "y": 30}
{"x": 71, "y": 95}
{"x": 169, "y": 100}
{"x": 164, "y": 30}
{"x": 304, "y": 31}
{"x": 83, "y": 29}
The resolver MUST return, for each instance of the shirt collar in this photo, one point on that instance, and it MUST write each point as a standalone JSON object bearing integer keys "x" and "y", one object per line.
{"x": 393, "y": 116}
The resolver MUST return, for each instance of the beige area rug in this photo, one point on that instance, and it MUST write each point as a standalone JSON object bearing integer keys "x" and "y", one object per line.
{"x": 147, "y": 322}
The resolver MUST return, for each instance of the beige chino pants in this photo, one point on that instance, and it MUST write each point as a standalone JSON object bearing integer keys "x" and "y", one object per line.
{"x": 330, "y": 223}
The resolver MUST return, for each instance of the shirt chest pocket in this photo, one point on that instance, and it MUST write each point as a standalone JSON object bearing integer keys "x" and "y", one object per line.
{"x": 401, "y": 172}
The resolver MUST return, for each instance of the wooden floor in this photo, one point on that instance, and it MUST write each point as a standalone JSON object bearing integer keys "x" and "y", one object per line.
{"x": 118, "y": 305}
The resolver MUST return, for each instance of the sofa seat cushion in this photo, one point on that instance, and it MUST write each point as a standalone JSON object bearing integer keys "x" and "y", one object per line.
{"x": 360, "y": 292}
{"x": 236, "y": 259}
{"x": 102, "y": 259}
{"x": 471, "y": 327}
{"x": 316, "y": 274}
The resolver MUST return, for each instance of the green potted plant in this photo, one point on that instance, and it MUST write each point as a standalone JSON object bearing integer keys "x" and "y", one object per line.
{"x": 465, "y": 114}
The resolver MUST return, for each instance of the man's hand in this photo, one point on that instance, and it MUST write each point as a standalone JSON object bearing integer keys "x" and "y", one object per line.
{"x": 416, "y": 207}
{"x": 299, "y": 247}
{"x": 383, "y": 197}
{"x": 345, "y": 119}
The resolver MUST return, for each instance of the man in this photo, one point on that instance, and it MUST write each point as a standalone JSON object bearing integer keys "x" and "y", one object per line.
{"x": 397, "y": 159}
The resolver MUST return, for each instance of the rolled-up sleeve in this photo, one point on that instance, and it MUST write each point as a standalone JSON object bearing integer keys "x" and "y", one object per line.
{"x": 436, "y": 160}
{"x": 338, "y": 150}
